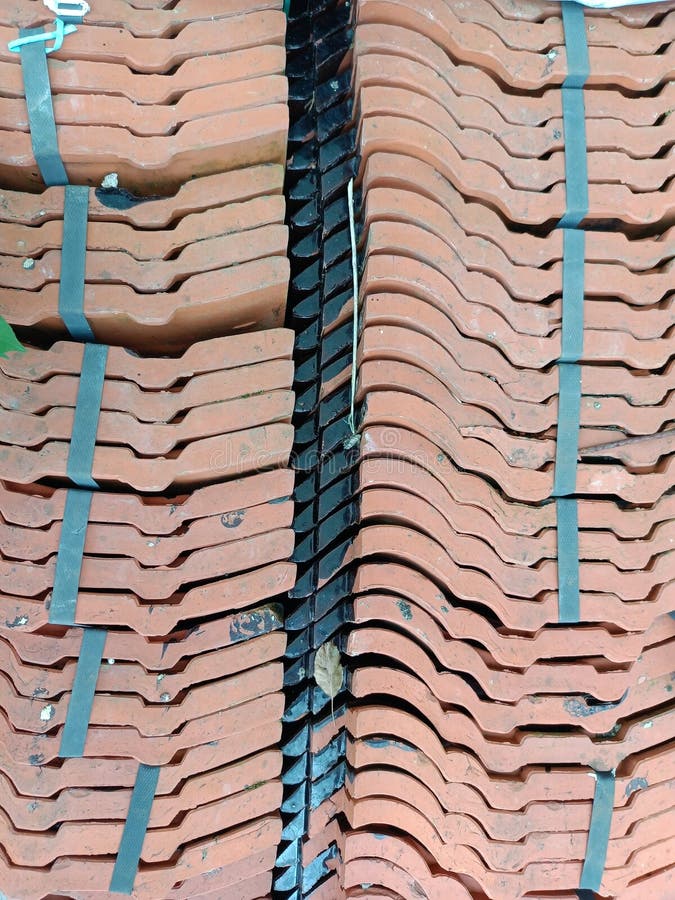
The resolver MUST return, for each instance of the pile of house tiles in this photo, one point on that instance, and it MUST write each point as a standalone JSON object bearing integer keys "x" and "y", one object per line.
{"x": 148, "y": 423}
{"x": 478, "y": 644}
{"x": 509, "y": 704}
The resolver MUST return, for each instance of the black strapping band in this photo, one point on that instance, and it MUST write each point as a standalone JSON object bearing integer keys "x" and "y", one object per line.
{"x": 567, "y": 442}
{"x": 569, "y": 424}
{"x": 63, "y": 605}
{"x": 69, "y": 558}
{"x": 574, "y": 115}
{"x": 78, "y": 469}
{"x": 73, "y": 263}
{"x": 37, "y": 89}
{"x": 74, "y": 733}
{"x": 87, "y": 411}
{"x": 135, "y": 827}
{"x": 569, "y": 370}
{"x": 574, "y": 258}
{"x": 567, "y": 521}
{"x": 599, "y": 831}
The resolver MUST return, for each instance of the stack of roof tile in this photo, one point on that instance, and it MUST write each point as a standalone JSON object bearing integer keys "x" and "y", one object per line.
{"x": 210, "y": 259}
{"x": 185, "y": 554}
{"x": 199, "y": 424}
{"x": 486, "y": 727}
{"x": 157, "y": 96}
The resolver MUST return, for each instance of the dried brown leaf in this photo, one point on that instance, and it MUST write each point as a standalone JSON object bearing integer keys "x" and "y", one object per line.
{"x": 328, "y": 670}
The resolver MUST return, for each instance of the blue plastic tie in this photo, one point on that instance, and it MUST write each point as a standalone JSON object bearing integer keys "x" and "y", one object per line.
{"x": 29, "y": 36}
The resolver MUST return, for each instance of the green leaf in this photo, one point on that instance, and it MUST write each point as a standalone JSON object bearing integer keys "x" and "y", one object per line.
{"x": 8, "y": 340}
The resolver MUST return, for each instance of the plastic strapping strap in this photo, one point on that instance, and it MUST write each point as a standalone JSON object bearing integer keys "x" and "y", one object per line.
{"x": 71, "y": 547}
{"x": 569, "y": 420}
{"x": 87, "y": 411}
{"x": 38, "y": 93}
{"x": 82, "y": 698}
{"x": 567, "y": 443}
{"x": 69, "y": 559}
{"x": 574, "y": 253}
{"x": 569, "y": 372}
{"x": 78, "y": 469}
{"x": 567, "y": 522}
{"x": 567, "y": 514}
{"x": 576, "y": 45}
{"x": 135, "y": 827}
{"x": 73, "y": 261}
{"x": 598, "y": 834}
{"x": 574, "y": 115}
